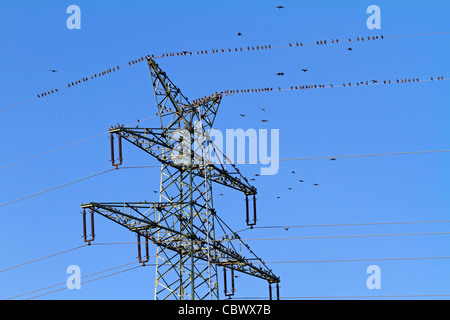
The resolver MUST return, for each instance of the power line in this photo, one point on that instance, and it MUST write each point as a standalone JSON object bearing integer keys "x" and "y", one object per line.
{"x": 358, "y": 260}
{"x": 58, "y": 187}
{"x": 75, "y": 181}
{"x": 341, "y": 85}
{"x": 366, "y": 155}
{"x": 99, "y": 278}
{"x": 226, "y": 239}
{"x": 241, "y": 162}
{"x": 350, "y": 297}
{"x": 61, "y": 283}
{"x": 43, "y": 258}
{"x": 347, "y": 224}
{"x": 201, "y": 52}
{"x": 341, "y": 236}
{"x": 67, "y": 145}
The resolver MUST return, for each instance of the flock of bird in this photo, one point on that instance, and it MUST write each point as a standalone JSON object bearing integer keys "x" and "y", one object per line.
{"x": 198, "y": 52}
{"x": 230, "y": 92}
{"x": 290, "y": 188}
{"x": 318, "y": 86}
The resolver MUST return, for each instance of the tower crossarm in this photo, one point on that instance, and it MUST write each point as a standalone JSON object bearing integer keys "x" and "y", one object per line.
{"x": 177, "y": 234}
{"x": 160, "y": 144}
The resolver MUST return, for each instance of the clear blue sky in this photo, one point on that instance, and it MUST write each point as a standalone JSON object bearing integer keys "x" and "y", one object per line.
{"x": 375, "y": 119}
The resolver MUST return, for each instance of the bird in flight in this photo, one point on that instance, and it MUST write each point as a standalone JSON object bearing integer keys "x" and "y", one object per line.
{"x": 221, "y": 194}
{"x": 333, "y": 159}
{"x": 239, "y": 34}
{"x": 264, "y": 120}
{"x": 304, "y": 70}
{"x": 293, "y": 172}
{"x": 278, "y": 197}
{"x": 242, "y": 115}
{"x": 263, "y": 109}
{"x": 280, "y": 74}
{"x": 279, "y": 7}
{"x": 350, "y": 49}
{"x": 290, "y": 188}
{"x": 53, "y": 70}
{"x": 315, "y": 184}
{"x": 301, "y": 181}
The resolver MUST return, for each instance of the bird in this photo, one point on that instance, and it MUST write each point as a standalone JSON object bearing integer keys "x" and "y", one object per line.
{"x": 286, "y": 229}
{"x": 293, "y": 172}
{"x": 290, "y": 188}
{"x": 374, "y": 81}
{"x": 239, "y": 34}
{"x": 333, "y": 159}
{"x": 301, "y": 181}
{"x": 263, "y": 109}
{"x": 350, "y": 49}
{"x": 279, "y": 7}
{"x": 278, "y": 197}
{"x": 53, "y": 70}
{"x": 264, "y": 120}
{"x": 280, "y": 74}
{"x": 155, "y": 191}
{"x": 221, "y": 194}
{"x": 315, "y": 184}
{"x": 304, "y": 70}
{"x": 242, "y": 115}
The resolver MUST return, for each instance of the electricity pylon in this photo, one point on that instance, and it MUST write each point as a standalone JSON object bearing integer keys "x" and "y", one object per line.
{"x": 183, "y": 223}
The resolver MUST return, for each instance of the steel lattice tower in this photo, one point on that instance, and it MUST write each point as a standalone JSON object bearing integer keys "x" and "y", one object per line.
{"x": 183, "y": 223}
